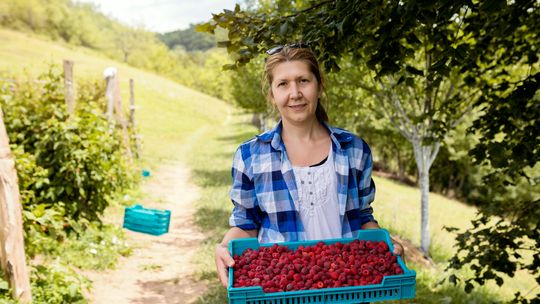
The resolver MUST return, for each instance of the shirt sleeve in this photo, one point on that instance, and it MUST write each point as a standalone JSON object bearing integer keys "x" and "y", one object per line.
{"x": 366, "y": 186}
{"x": 245, "y": 214}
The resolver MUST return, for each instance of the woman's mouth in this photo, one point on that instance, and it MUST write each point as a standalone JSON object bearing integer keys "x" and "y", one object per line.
{"x": 298, "y": 107}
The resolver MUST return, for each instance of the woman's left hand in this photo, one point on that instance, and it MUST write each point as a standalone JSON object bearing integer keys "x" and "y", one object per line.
{"x": 398, "y": 249}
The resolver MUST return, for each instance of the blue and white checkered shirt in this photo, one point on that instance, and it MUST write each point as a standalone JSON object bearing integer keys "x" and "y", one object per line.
{"x": 264, "y": 190}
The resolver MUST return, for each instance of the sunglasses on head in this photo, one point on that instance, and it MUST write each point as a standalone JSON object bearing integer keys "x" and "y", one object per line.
{"x": 278, "y": 48}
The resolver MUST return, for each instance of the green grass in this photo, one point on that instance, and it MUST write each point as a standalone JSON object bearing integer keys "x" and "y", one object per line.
{"x": 397, "y": 208}
{"x": 180, "y": 124}
{"x": 169, "y": 115}
{"x": 214, "y": 209}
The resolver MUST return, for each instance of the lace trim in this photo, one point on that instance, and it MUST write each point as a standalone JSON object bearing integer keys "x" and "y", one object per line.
{"x": 313, "y": 184}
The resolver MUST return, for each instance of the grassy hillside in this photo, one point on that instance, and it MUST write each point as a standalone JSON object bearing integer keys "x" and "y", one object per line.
{"x": 168, "y": 113}
{"x": 178, "y": 123}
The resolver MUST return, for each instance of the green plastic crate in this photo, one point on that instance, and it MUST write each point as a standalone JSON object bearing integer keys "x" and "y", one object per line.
{"x": 394, "y": 287}
{"x": 146, "y": 220}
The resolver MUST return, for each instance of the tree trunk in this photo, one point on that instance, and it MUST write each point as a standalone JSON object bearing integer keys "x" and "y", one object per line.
{"x": 424, "y": 156}
{"x": 424, "y": 228}
{"x": 256, "y": 121}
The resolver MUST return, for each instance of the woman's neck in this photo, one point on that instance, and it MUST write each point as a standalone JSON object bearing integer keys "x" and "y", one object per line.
{"x": 308, "y": 131}
{"x": 307, "y": 143}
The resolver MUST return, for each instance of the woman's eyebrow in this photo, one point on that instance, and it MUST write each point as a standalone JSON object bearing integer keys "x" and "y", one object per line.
{"x": 295, "y": 77}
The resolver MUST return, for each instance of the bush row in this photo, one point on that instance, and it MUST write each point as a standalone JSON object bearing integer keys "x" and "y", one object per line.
{"x": 69, "y": 170}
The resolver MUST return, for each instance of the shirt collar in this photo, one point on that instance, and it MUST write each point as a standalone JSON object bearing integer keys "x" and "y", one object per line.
{"x": 273, "y": 136}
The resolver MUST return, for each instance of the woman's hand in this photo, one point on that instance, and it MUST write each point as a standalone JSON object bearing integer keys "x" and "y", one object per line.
{"x": 398, "y": 249}
{"x": 223, "y": 261}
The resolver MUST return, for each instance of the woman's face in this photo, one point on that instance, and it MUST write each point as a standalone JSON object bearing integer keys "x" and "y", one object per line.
{"x": 295, "y": 91}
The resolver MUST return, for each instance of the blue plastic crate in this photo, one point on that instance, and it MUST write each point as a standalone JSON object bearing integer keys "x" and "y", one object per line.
{"x": 394, "y": 287}
{"x": 146, "y": 220}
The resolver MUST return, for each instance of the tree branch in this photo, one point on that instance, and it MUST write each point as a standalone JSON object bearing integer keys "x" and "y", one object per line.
{"x": 394, "y": 119}
{"x": 462, "y": 19}
{"x": 396, "y": 102}
{"x": 434, "y": 153}
{"x": 308, "y": 9}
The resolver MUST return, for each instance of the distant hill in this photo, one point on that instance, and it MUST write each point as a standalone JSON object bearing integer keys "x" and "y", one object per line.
{"x": 168, "y": 113}
{"x": 188, "y": 39}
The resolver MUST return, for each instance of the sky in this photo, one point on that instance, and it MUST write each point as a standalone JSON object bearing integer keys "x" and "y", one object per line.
{"x": 162, "y": 15}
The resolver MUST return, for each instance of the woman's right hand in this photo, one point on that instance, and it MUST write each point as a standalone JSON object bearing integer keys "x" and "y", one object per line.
{"x": 223, "y": 261}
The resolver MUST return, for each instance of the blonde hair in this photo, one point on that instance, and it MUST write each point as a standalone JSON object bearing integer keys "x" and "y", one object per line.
{"x": 291, "y": 54}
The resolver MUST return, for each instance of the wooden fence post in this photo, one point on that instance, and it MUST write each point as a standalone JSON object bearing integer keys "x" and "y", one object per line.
{"x": 12, "y": 255}
{"x": 132, "y": 118}
{"x": 110, "y": 75}
{"x": 69, "y": 86}
{"x": 120, "y": 115}
{"x": 114, "y": 103}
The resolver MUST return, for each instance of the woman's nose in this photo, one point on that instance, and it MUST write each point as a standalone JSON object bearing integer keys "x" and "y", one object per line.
{"x": 295, "y": 91}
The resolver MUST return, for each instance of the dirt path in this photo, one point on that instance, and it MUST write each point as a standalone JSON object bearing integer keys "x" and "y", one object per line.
{"x": 159, "y": 270}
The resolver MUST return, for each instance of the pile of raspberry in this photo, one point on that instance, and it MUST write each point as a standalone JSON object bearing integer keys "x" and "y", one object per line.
{"x": 277, "y": 268}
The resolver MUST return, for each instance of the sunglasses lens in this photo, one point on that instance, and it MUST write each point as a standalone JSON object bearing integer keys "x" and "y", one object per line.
{"x": 274, "y": 50}
{"x": 278, "y": 48}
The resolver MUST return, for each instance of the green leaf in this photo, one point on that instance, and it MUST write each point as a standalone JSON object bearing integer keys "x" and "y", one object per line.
{"x": 4, "y": 285}
{"x": 412, "y": 39}
{"x": 283, "y": 29}
{"x": 224, "y": 44}
{"x": 205, "y": 27}
{"x": 29, "y": 215}
{"x": 229, "y": 67}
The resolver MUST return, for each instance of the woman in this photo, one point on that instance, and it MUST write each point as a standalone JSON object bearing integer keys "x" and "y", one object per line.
{"x": 304, "y": 179}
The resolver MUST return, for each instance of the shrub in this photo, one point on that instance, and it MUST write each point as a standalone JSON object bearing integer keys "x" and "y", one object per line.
{"x": 57, "y": 284}
{"x": 73, "y": 165}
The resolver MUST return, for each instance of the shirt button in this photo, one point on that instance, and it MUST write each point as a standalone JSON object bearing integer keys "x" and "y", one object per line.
{"x": 302, "y": 182}
{"x": 311, "y": 193}
{"x": 310, "y": 183}
{"x": 309, "y": 173}
{"x": 311, "y": 204}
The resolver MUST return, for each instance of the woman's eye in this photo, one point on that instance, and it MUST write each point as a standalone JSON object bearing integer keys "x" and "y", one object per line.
{"x": 281, "y": 84}
{"x": 304, "y": 80}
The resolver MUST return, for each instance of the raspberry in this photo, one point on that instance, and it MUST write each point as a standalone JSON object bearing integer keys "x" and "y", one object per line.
{"x": 278, "y": 268}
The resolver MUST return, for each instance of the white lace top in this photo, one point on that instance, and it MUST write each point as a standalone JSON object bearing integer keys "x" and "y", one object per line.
{"x": 318, "y": 200}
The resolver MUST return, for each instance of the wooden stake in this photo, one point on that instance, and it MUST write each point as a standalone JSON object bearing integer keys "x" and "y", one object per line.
{"x": 12, "y": 256}
{"x": 110, "y": 99}
{"x": 69, "y": 87}
{"x": 132, "y": 117}
{"x": 120, "y": 115}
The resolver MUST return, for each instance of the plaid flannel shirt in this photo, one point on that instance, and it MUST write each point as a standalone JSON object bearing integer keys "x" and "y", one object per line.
{"x": 264, "y": 190}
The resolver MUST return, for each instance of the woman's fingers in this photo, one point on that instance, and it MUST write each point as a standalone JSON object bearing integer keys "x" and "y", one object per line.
{"x": 398, "y": 249}
{"x": 223, "y": 260}
{"x": 223, "y": 275}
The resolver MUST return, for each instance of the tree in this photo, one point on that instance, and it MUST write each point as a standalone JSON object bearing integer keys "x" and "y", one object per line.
{"x": 127, "y": 42}
{"x": 189, "y": 39}
{"x": 247, "y": 93}
{"x": 360, "y": 112}
{"x": 480, "y": 55}
{"x": 411, "y": 75}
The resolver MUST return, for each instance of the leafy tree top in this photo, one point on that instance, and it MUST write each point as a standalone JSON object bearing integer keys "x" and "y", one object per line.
{"x": 493, "y": 44}
{"x": 189, "y": 39}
